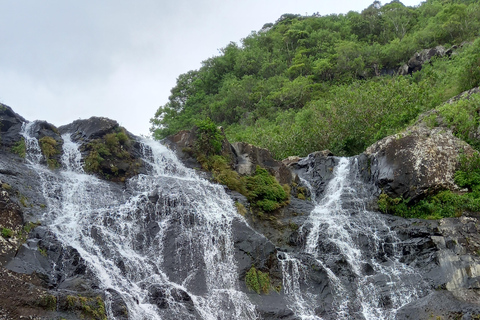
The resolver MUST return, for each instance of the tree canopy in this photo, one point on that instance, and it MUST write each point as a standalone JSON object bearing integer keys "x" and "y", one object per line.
{"x": 307, "y": 83}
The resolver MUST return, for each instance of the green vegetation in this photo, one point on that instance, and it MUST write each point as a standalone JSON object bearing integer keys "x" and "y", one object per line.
{"x": 19, "y": 148}
{"x": 90, "y": 308}
{"x": 49, "y": 147}
{"x": 258, "y": 281}
{"x": 27, "y": 228}
{"x": 311, "y": 83}
{"x": 463, "y": 118}
{"x": 264, "y": 191}
{"x": 261, "y": 189}
{"x": 7, "y": 233}
{"x": 48, "y": 302}
{"x": 104, "y": 151}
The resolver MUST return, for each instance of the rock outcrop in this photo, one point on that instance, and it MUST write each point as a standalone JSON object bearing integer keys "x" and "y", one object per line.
{"x": 420, "y": 58}
{"x": 417, "y": 162}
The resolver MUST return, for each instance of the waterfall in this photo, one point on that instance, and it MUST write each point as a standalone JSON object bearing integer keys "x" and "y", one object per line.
{"x": 163, "y": 242}
{"x": 356, "y": 249}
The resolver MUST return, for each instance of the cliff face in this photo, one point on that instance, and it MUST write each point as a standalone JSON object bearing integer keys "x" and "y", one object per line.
{"x": 50, "y": 279}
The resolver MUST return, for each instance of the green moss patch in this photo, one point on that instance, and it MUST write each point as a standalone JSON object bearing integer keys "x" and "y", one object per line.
{"x": 258, "y": 281}
{"x": 90, "y": 308}
{"x": 49, "y": 147}
{"x": 110, "y": 156}
{"x": 262, "y": 190}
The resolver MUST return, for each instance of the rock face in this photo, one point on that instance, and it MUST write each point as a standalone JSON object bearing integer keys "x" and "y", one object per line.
{"x": 417, "y": 162}
{"x": 44, "y": 274}
{"x": 249, "y": 156}
{"x": 11, "y": 125}
{"x": 420, "y": 58}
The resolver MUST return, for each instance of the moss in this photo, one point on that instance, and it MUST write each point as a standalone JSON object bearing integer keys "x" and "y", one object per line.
{"x": 43, "y": 251}
{"x": 241, "y": 208}
{"x": 23, "y": 200}
{"x": 258, "y": 281}
{"x": 48, "y": 302}
{"x": 7, "y": 233}
{"x": 49, "y": 145}
{"x": 20, "y": 148}
{"x": 443, "y": 204}
{"x": 90, "y": 308}
{"x": 105, "y": 151}
{"x": 209, "y": 138}
{"x": 293, "y": 226}
{"x": 6, "y": 186}
{"x": 265, "y": 192}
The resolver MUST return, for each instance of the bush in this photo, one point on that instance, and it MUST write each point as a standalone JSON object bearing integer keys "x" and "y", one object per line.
{"x": 48, "y": 145}
{"x": 209, "y": 138}
{"x": 19, "y": 148}
{"x": 258, "y": 281}
{"x": 264, "y": 191}
{"x": 7, "y": 233}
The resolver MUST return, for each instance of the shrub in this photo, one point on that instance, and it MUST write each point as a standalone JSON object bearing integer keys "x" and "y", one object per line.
{"x": 20, "y": 148}
{"x": 209, "y": 138}
{"x": 7, "y": 233}
{"x": 258, "y": 281}
{"x": 48, "y": 145}
{"x": 264, "y": 191}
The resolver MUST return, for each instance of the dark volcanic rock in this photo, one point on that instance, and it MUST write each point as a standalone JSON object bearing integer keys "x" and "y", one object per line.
{"x": 123, "y": 159}
{"x": 420, "y": 58}
{"x": 11, "y": 125}
{"x": 89, "y": 129}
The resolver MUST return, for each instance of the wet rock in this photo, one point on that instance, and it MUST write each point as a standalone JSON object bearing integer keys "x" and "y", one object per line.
{"x": 439, "y": 304}
{"x": 108, "y": 150}
{"x": 89, "y": 129}
{"x": 317, "y": 169}
{"x": 11, "y": 126}
{"x": 166, "y": 297}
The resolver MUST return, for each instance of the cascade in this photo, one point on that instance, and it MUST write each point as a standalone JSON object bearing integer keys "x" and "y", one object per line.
{"x": 163, "y": 242}
{"x": 356, "y": 249}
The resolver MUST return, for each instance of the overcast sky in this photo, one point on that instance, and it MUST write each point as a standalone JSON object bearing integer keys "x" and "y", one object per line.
{"x": 64, "y": 60}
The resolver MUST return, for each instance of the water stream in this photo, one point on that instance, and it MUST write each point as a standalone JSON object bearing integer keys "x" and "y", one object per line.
{"x": 356, "y": 249}
{"x": 164, "y": 243}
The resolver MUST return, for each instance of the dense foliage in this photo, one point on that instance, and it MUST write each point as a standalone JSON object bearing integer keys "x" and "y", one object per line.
{"x": 308, "y": 83}
{"x": 261, "y": 188}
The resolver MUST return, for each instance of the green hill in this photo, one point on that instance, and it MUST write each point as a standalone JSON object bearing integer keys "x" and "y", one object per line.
{"x": 329, "y": 82}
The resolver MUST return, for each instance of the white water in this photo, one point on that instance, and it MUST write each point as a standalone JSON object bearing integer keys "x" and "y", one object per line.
{"x": 335, "y": 229}
{"x": 180, "y": 242}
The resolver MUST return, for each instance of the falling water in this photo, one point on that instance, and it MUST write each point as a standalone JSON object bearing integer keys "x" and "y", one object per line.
{"x": 340, "y": 230}
{"x": 164, "y": 243}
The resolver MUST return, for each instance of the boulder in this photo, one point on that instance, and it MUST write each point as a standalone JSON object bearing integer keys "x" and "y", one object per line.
{"x": 416, "y": 162}
{"x": 11, "y": 125}
{"x": 123, "y": 160}
{"x": 420, "y": 58}
{"x": 89, "y": 129}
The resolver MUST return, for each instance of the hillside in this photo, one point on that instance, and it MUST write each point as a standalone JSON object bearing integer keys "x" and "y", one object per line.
{"x": 307, "y": 83}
